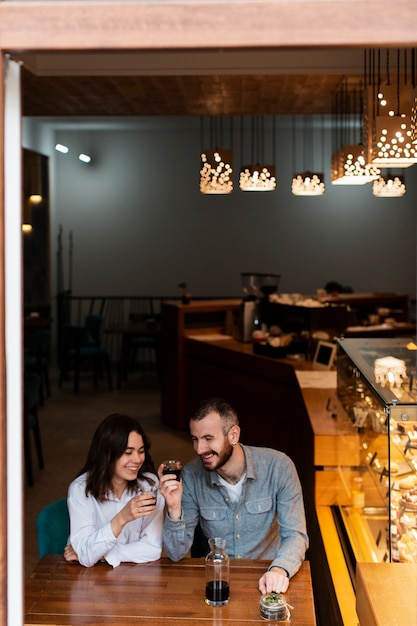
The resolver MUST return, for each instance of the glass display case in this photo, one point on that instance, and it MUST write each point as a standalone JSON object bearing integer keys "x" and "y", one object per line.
{"x": 377, "y": 506}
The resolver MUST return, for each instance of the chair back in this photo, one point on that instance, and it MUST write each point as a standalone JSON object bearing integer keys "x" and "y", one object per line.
{"x": 74, "y": 338}
{"x": 93, "y": 324}
{"x": 52, "y": 528}
{"x": 31, "y": 387}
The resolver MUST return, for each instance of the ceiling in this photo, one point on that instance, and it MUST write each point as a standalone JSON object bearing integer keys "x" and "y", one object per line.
{"x": 212, "y": 82}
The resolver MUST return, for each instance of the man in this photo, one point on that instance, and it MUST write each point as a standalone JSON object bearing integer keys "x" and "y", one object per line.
{"x": 249, "y": 496}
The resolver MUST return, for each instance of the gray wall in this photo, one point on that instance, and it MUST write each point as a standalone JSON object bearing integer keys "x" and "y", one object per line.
{"x": 140, "y": 224}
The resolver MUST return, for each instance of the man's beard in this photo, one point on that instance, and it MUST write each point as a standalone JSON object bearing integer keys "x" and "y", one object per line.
{"x": 222, "y": 457}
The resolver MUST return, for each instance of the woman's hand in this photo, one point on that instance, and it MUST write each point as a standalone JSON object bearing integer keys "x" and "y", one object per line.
{"x": 70, "y": 554}
{"x": 171, "y": 489}
{"x": 139, "y": 506}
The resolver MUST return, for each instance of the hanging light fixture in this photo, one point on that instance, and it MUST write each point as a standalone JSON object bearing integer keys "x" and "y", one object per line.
{"x": 306, "y": 183}
{"x": 257, "y": 176}
{"x": 389, "y": 186}
{"x": 349, "y": 164}
{"x": 414, "y": 96}
{"x": 387, "y": 112}
{"x": 216, "y": 163}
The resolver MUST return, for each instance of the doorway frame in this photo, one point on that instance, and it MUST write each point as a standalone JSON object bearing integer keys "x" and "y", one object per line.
{"x": 81, "y": 25}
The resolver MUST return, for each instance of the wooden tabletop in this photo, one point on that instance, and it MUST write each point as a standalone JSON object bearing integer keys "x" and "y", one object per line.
{"x": 152, "y": 594}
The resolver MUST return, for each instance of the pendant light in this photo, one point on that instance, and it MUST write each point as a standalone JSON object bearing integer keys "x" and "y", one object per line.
{"x": 216, "y": 163}
{"x": 349, "y": 163}
{"x": 387, "y": 110}
{"x": 307, "y": 182}
{"x": 257, "y": 176}
{"x": 389, "y": 186}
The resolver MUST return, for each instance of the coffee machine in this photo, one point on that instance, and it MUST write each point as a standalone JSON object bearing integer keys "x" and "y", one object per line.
{"x": 254, "y": 285}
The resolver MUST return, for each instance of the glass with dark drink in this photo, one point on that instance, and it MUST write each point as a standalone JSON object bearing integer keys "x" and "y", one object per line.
{"x": 173, "y": 467}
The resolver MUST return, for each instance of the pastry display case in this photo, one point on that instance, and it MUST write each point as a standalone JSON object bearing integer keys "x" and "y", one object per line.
{"x": 376, "y": 513}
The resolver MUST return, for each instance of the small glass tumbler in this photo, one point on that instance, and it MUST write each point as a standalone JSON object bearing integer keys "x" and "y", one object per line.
{"x": 173, "y": 467}
{"x": 149, "y": 489}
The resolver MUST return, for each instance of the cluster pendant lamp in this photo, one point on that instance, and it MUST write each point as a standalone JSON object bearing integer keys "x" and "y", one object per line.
{"x": 387, "y": 109}
{"x": 349, "y": 161}
{"x": 257, "y": 176}
{"x": 390, "y": 116}
{"x": 216, "y": 162}
{"x": 306, "y": 182}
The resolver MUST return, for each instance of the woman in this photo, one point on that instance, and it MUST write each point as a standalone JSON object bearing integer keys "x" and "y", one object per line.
{"x": 114, "y": 514}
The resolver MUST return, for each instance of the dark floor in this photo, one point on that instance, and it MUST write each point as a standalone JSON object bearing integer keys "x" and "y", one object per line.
{"x": 67, "y": 424}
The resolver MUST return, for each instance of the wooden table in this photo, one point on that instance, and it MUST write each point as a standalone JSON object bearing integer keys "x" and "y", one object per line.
{"x": 152, "y": 594}
{"x": 131, "y": 330}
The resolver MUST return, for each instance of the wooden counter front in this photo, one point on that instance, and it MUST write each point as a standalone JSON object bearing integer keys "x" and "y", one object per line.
{"x": 386, "y": 594}
{"x": 153, "y": 594}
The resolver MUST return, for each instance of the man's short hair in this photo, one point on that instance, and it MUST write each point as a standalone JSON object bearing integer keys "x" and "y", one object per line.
{"x": 221, "y": 407}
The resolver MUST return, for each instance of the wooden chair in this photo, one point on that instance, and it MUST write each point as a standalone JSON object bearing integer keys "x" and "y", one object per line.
{"x": 78, "y": 350}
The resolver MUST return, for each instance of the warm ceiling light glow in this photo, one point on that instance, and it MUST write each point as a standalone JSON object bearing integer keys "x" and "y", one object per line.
{"x": 61, "y": 148}
{"x": 35, "y": 198}
{"x": 216, "y": 172}
{"x": 389, "y": 187}
{"x": 388, "y": 131}
{"x": 350, "y": 168}
{"x": 257, "y": 178}
{"x": 84, "y": 158}
{"x": 308, "y": 184}
{"x": 26, "y": 228}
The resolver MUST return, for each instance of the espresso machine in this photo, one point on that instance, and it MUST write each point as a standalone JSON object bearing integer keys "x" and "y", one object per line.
{"x": 254, "y": 286}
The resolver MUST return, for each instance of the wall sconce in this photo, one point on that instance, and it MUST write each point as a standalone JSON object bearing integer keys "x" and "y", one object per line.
{"x": 389, "y": 371}
{"x": 216, "y": 164}
{"x": 257, "y": 176}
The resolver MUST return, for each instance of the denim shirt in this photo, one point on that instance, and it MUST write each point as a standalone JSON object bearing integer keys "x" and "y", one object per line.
{"x": 267, "y": 523}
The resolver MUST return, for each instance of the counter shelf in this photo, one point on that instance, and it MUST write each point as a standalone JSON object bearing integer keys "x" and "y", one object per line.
{"x": 385, "y": 418}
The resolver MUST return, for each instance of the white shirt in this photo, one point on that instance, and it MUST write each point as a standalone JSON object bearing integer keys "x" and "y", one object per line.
{"x": 91, "y": 535}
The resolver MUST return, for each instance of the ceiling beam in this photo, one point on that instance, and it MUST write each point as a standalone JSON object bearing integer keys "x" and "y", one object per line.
{"x": 84, "y": 25}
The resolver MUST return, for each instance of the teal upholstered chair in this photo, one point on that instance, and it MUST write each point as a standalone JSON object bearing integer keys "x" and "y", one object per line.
{"x": 52, "y": 528}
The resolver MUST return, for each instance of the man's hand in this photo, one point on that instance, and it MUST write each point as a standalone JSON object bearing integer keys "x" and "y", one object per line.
{"x": 171, "y": 489}
{"x": 275, "y": 579}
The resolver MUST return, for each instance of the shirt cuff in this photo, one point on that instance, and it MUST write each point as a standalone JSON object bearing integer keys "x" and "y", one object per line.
{"x": 280, "y": 566}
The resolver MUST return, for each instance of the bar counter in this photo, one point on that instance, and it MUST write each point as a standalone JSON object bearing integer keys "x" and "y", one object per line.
{"x": 152, "y": 594}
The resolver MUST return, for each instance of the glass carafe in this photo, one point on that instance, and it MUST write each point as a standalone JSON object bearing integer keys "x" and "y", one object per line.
{"x": 217, "y": 573}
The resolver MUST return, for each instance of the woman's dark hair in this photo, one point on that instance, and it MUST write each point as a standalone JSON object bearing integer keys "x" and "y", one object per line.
{"x": 108, "y": 444}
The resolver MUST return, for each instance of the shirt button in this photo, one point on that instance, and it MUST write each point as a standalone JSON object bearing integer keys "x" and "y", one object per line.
{"x": 237, "y": 536}
{"x": 238, "y": 556}
{"x": 237, "y": 517}
{"x": 226, "y": 499}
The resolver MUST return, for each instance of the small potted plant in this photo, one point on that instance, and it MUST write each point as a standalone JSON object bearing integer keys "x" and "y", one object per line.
{"x": 186, "y": 295}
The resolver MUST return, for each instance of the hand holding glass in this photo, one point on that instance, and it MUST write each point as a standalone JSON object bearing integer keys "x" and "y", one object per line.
{"x": 173, "y": 467}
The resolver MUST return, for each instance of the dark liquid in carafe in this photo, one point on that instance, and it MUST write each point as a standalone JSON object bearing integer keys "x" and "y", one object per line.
{"x": 217, "y": 591}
